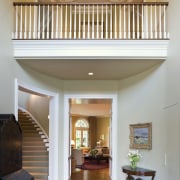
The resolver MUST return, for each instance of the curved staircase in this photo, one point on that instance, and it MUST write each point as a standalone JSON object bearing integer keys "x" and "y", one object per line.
{"x": 35, "y": 147}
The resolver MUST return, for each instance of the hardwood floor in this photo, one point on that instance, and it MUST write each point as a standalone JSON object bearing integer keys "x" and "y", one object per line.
{"x": 102, "y": 174}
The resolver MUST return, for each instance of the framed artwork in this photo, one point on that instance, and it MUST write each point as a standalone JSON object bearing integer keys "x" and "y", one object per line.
{"x": 141, "y": 136}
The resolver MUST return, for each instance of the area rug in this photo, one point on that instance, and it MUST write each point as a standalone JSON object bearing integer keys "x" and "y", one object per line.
{"x": 93, "y": 165}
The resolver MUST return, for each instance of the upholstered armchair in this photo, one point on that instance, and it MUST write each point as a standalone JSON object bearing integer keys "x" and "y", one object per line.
{"x": 77, "y": 154}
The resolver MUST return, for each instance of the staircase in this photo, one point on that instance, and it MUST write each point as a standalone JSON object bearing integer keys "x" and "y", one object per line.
{"x": 35, "y": 150}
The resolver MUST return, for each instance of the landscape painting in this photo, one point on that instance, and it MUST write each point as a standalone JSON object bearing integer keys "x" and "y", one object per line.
{"x": 141, "y": 136}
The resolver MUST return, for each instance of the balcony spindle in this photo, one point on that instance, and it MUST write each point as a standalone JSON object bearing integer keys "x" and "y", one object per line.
{"x": 97, "y": 23}
{"x": 102, "y": 22}
{"x": 138, "y": 24}
{"x": 93, "y": 22}
{"x": 115, "y": 23}
{"x": 155, "y": 22}
{"x": 84, "y": 22}
{"x": 129, "y": 22}
{"x": 75, "y": 23}
{"x": 30, "y": 22}
{"x": 43, "y": 22}
{"x": 16, "y": 21}
{"x": 70, "y": 27}
{"x": 88, "y": 29}
{"x": 142, "y": 33}
{"x": 111, "y": 22}
{"x": 66, "y": 21}
{"x": 52, "y": 19}
{"x": 48, "y": 15}
{"x": 124, "y": 22}
{"x": 106, "y": 21}
{"x": 61, "y": 21}
{"x": 39, "y": 22}
{"x": 133, "y": 21}
{"x": 21, "y": 23}
{"x": 120, "y": 22}
{"x": 160, "y": 22}
{"x": 79, "y": 36}
{"x": 165, "y": 33}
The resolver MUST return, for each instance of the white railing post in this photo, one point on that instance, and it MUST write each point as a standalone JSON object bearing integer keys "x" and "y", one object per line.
{"x": 155, "y": 22}
{"x": 84, "y": 22}
{"x": 102, "y": 22}
{"x": 70, "y": 27}
{"x": 160, "y": 22}
{"x": 88, "y": 25}
{"x": 115, "y": 22}
{"x": 124, "y": 22}
{"x": 106, "y": 21}
{"x": 79, "y": 34}
{"x": 97, "y": 25}
{"x": 120, "y": 22}
{"x": 93, "y": 22}
{"x": 75, "y": 24}
{"x": 17, "y": 22}
{"x": 52, "y": 23}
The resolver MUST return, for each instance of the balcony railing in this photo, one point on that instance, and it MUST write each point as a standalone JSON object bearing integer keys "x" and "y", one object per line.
{"x": 90, "y": 21}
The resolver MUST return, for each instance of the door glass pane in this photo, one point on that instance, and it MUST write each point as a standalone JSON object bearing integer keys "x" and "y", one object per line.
{"x": 78, "y": 138}
{"x": 85, "y": 138}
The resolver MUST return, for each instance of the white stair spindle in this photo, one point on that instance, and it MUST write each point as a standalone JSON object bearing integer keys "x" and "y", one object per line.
{"x": 84, "y": 22}
{"x": 124, "y": 21}
{"x": 17, "y": 22}
{"x": 151, "y": 24}
{"x": 61, "y": 21}
{"x": 52, "y": 23}
{"x": 102, "y": 22}
{"x": 30, "y": 22}
{"x": 47, "y": 33}
{"x": 142, "y": 33}
{"x": 129, "y": 22}
{"x": 39, "y": 21}
{"x": 75, "y": 24}
{"x": 35, "y": 22}
{"x": 120, "y": 22}
{"x": 115, "y": 22}
{"x": 79, "y": 36}
{"x": 21, "y": 23}
{"x": 146, "y": 22}
{"x": 133, "y": 19}
{"x": 97, "y": 30}
{"x": 66, "y": 22}
{"x": 93, "y": 22}
{"x": 25, "y": 22}
{"x": 165, "y": 33}
{"x": 70, "y": 28}
{"x": 88, "y": 22}
{"x": 43, "y": 23}
{"x": 111, "y": 23}
{"x": 106, "y": 21}
{"x": 57, "y": 15}
{"x": 160, "y": 22}
{"x": 138, "y": 24}
{"x": 155, "y": 21}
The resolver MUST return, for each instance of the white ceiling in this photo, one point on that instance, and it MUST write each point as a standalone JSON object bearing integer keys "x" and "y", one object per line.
{"x": 74, "y": 69}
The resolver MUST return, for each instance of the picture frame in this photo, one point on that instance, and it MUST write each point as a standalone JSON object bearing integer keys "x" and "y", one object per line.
{"x": 141, "y": 136}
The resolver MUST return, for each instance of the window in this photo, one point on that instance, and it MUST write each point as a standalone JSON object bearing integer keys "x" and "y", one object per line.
{"x": 81, "y": 133}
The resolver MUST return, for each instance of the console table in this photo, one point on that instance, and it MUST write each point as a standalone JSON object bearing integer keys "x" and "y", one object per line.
{"x": 138, "y": 172}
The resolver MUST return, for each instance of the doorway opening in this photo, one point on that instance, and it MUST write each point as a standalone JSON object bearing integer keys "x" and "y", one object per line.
{"x": 53, "y": 120}
{"x": 90, "y": 122}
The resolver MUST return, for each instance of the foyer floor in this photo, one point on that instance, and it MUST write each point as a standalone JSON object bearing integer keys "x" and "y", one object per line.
{"x": 102, "y": 174}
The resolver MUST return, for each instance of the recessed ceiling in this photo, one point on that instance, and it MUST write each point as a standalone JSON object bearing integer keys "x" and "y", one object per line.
{"x": 103, "y": 69}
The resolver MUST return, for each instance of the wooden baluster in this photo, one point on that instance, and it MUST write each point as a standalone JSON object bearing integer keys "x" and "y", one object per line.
{"x": 39, "y": 21}
{"x": 120, "y": 22}
{"x": 115, "y": 22}
{"x": 138, "y": 22}
{"x": 106, "y": 21}
{"x": 66, "y": 21}
{"x": 75, "y": 24}
{"x": 129, "y": 22}
{"x": 47, "y": 32}
{"x": 93, "y": 22}
{"x": 52, "y": 24}
{"x": 160, "y": 22}
{"x": 70, "y": 28}
{"x": 61, "y": 21}
{"x": 57, "y": 12}
{"x": 79, "y": 22}
{"x": 30, "y": 22}
{"x": 124, "y": 21}
{"x": 88, "y": 22}
{"x": 133, "y": 19}
{"x": 97, "y": 30}
{"x": 111, "y": 22}
{"x": 43, "y": 22}
{"x": 155, "y": 21}
{"x": 84, "y": 22}
{"x": 142, "y": 33}
{"x": 102, "y": 23}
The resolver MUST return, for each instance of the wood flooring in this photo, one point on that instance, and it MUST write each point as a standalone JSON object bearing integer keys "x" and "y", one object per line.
{"x": 102, "y": 174}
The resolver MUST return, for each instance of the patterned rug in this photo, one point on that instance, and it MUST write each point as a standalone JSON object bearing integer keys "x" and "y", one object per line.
{"x": 93, "y": 165}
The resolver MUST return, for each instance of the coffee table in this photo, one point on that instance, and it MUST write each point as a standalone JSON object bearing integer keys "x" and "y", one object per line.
{"x": 97, "y": 158}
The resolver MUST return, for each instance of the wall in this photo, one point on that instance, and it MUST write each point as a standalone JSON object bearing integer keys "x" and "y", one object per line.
{"x": 141, "y": 100}
{"x": 172, "y": 110}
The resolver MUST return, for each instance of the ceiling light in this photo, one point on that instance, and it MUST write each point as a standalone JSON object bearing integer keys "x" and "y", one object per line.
{"x": 90, "y": 73}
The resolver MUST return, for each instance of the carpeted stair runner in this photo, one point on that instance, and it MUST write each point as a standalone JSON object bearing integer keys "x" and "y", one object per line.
{"x": 35, "y": 150}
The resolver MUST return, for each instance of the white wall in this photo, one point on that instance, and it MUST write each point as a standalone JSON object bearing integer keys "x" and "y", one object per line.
{"x": 172, "y": 110}
{"x": 141, "y": 100}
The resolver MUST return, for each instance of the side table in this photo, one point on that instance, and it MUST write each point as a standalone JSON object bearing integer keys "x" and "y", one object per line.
{"x": 138, "y": 172}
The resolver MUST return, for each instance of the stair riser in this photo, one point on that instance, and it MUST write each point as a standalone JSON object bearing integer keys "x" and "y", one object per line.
{"x": 35, "y": 163}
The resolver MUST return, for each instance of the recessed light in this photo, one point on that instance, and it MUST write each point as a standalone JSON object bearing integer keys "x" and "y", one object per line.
{"x": 90, "y": 73}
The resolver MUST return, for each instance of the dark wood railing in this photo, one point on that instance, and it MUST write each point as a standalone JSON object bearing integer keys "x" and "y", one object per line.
{"x": 90, "y": 21}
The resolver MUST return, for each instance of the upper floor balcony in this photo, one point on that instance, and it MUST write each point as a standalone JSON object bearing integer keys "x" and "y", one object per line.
{"x": 91, "y": 30}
